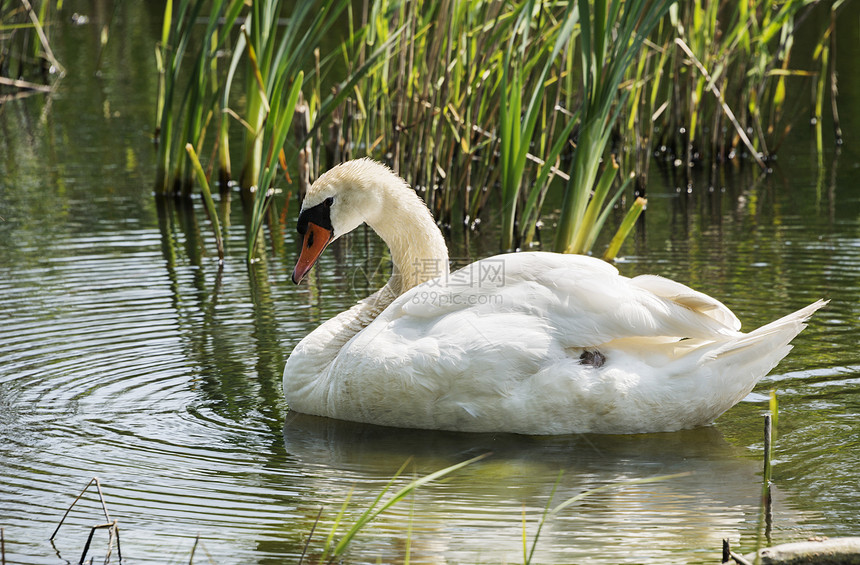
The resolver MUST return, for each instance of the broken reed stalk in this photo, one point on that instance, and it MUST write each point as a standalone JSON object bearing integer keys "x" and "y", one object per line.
{"x": 726, "y": 109}
{"x": 729, "y": 555}
{"x": 24, "y": 85}
{"x": 193, "y": 549}
{"x": 113, "y": 531}
{"x": 112, "y": 524}
{"x": 765, "y": 516}
{"x": 768, "y": 429}
{"x": 37, "y": 25}
{"x": 101, "y": 498}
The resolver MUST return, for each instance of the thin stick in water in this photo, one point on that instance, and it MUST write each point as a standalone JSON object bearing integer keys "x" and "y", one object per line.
{"x": 42, "y": 37}
{"x": 70, "y": 508}
{"x": 768, "y": 428}
{"x": 193, "y": 548}
{"x": 111, "y": 525}
{"x": 310, "y": 535}
{"x": 728, "y": 111}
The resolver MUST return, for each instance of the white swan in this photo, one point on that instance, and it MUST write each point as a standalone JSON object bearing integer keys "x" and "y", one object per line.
{"x": 532, "y": 343}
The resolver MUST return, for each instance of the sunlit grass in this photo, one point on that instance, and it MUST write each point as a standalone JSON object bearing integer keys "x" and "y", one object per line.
{"x": 337, "y": 543}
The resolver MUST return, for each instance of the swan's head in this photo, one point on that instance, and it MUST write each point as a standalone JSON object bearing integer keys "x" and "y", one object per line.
{"x": 339, "y": 201}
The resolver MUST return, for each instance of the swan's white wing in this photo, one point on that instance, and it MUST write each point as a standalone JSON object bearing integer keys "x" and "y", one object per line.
{"x": 581, "y": 299}
{"x": 688, "y": 297}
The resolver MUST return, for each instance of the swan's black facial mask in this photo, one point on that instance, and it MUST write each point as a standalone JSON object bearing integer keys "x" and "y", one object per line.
{"x": 319, "y": 215}
{"x": 315, "y": 225}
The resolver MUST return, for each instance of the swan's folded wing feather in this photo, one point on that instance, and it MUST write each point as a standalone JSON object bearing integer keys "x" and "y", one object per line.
{"x": 688, "y": 297}
{"x": 580, "y": 301}
{"x": 614, "y": 307}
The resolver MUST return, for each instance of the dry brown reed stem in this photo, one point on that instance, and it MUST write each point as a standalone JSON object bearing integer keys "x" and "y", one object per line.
{"x": 24, "y": 85}
{"x": 101, "y": 499}
{"x": 834, "y": 91}
{"x": 43, "y": 38}
{"x": 112, "y": 524}
{"x": 113, "y": 531}
{"x": 726, "y": 109}
{"x": 197, "y": 543}
{"x": 193, "y": 549}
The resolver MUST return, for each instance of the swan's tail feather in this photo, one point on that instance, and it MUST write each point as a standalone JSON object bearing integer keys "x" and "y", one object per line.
{"x": 776, "y": 335}
{"x": 734, "y": 367}
{"x": 738, "y": 364}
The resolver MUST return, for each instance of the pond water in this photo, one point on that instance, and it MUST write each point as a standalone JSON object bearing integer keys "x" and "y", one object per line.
{"x": 125, "y": 354}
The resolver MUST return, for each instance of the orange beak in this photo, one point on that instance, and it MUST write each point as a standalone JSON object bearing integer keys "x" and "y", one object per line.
{"x": 315, "y": 242}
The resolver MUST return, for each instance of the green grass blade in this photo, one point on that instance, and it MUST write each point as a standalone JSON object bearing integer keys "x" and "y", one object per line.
{"x": 543, "y": 518}
{"x": 337, "y": 521}
{"x": 211, "y": 211}
{"x": 574, "y": 499}
{"x": 625, "y": 228}
{"x": 372, "y": 513}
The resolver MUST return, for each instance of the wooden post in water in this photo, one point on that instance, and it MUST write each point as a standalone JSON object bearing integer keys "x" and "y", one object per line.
{"x": 767, "y": 500}
{"x": 768, "y": 428}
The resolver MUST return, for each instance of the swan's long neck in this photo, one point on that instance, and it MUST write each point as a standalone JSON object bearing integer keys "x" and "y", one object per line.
{"x": 417, "y": 246}
{"x": 418, "y": 252}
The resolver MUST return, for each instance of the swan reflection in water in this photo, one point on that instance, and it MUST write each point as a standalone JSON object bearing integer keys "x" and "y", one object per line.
{"x": 476, "y": 514}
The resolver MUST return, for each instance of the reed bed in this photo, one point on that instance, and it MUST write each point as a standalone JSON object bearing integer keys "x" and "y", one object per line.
{"x": 486, "y": 107}
{"x": 720, "y": 84}
{"x": 27, "y": 61}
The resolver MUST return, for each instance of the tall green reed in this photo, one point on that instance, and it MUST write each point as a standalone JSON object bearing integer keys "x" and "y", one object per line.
{"x": 511, "y": 66}
{"x": 420, "y": 105}
{"x": 186, "y": 98}
{"x": 518, "y": 122}
{"x": 612, "y": 34}
{"x": 269, "y": 56}
{"x": 276, "y": 56}
{"x": 276, "y": 127}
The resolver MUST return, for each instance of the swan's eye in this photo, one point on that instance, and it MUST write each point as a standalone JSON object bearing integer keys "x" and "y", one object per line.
{"x": 328, "y": 201}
